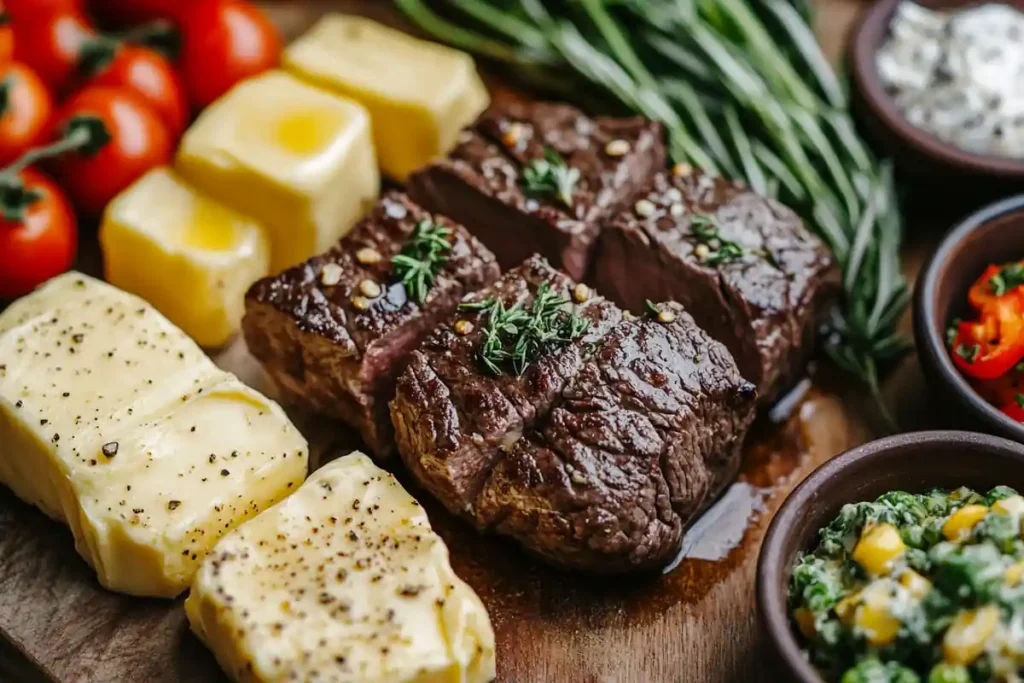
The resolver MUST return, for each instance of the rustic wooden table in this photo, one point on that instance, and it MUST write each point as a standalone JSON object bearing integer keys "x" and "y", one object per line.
{"x": 696, "y": 624}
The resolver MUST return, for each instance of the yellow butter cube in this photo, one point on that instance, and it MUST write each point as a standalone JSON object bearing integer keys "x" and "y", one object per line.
{"x": 296, "y": 158}
{"x": 115, "y": 423}
{"x": 419, "y": 94}
{"x": 187, "y": 254}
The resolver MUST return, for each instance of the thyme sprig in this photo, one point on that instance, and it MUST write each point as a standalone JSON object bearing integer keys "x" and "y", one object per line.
{"x": 515, "y": 337}
{"x": 550, "y": 177}
{"x": 421, "y": 258}
{"x": 1009, "y": 277}
{"x": 707, "y": 231}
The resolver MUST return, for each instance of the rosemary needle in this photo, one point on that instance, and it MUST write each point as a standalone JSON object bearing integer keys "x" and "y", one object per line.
{"x": 421, "y": 258}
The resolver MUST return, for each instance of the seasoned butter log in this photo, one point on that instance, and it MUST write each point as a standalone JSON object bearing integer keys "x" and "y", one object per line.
{"x": 344, "y": 581}
{"x": 597, "y": 449}
{"x": 113, "y": 422}
{"x": 334, "y": 332}
{"x": 419, "y": 94}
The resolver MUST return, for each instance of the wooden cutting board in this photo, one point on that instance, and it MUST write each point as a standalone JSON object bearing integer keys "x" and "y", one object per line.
{"x": 695, "y": 623}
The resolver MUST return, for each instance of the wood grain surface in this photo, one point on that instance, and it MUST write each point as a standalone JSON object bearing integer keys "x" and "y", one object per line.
{"x": 696, "y": 623}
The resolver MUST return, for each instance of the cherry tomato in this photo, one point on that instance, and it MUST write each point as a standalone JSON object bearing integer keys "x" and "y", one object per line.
{"x": 23, "y": 10}
{"x": 6, "y": 35}
{"x": 26, "y": 112}
{"x": 131, "y": 140}
{"x": 222, "y": 44}
{"x": 52, "y": 45}
{"x": 40, "y": 245}
{"x": 149, "y": 75}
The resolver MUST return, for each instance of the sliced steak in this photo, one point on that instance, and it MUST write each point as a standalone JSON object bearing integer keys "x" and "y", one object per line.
{"x": 598, "y": 456}
{"x": 327, "y": 354}
{"x": 482, "y": 183}
{"x": 763, "y": 303}
{"x": 453, "y": 421}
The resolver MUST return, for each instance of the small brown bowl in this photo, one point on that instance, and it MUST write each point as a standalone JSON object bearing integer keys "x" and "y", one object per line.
{"x": 912, "y": 462}
{"x": 919, "y": 155}
{"x": 995, "y": 234}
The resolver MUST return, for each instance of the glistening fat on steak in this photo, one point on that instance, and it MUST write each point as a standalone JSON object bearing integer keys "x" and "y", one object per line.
{"x": 743, "y": 265}
{"x": 603, "y": 450}
{"x": 334, "y": 332}
{"x": 540, "y": 178}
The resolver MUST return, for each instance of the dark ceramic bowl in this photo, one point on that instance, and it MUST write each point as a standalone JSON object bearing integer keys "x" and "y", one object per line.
{"x": 918, "y": 154}
{"x": 994, "y": 234}
{"x": 911, "y": 462}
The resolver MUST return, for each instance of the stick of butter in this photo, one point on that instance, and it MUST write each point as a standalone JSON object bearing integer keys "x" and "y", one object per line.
{"x": 419, "y": 94}
{"x": 343, "y": 581}
{"x": 115, "y": 423}
{"x": 187, "y": 254}
{"x": 296, "y": 158}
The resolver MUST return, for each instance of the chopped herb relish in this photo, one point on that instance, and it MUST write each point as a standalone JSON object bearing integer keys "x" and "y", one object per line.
{"x": 916, "y": 588}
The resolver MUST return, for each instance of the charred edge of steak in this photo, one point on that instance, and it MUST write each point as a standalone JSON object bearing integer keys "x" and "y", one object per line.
{"x": 338, "y": 355}
{"x": 763, "y": 303}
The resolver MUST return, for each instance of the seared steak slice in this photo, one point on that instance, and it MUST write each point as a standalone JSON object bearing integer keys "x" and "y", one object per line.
{"x": 598, "y": 456}
{"x": 327, "y": 354}
{"x": 453, "y": 420}
{"x": 482, "y": 183}
{"x": 763, "y": 303}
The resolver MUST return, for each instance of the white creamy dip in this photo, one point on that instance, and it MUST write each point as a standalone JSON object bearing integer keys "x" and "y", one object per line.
{"x": 959, "y": 75}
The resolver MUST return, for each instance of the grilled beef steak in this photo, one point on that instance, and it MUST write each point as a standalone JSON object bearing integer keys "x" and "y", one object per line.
{"x": 601, "y": 452}
{"x": 332, "y": 342}
{"x": 742, "y": 265}
{"x": 504, "y": 184}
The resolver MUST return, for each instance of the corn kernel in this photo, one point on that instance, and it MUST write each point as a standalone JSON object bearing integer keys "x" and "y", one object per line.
{"x": 965, "y": 639}
{"x": 916, "y": 585}
{"x": 1014, "y": 505}
{"x": 878, "y": 549}
{"x": 805, "y": 621}
{"x": 962, "y": 521}
{"x": 873, "y": 617}
{"x": 847, "y": 607}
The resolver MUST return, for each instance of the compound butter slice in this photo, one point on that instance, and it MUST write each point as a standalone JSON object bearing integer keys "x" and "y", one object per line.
{"x": 343, "y": 581}
{"x": 115, "y": 423}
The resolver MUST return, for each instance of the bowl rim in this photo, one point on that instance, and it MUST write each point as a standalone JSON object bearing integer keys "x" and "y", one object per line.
{"x": 772, "y": 566}
{"x": 867, "y": 35}
{"x": 931, "y": 348}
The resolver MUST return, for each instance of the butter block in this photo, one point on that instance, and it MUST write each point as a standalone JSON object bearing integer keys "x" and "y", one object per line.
{"x": 419, "y": 94}
{"x": 343, "y": 581}
{"x": 294, "y": 157}
{"x": 187, "y": 254}
{"x": 115, "y": 423}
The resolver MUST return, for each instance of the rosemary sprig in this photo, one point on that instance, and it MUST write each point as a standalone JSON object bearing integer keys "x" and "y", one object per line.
{"x": 1009, "y": 277}
{"x": 421, "y": 258}
{"x": 708, "y": 233}
{"x": 515, "y": 337}
{"x": 550, "y": 177}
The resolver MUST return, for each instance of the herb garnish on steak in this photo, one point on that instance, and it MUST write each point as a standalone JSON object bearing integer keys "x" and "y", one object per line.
{"x": 421, "y": 257}
{"x": 550, "y": 177}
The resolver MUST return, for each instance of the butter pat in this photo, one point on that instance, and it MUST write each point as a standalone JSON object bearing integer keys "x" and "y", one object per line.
{"x": 186, "y": 253}
{"x": 419, "y": 94}
{"x": 294, "y": 157}
{"x": 115, "y": 423}
{"x": 343, "y": 581}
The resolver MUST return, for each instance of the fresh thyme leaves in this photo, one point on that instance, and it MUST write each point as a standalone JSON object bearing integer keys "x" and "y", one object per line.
{"x": 515, "y": 337}
{"x": 652, "y": 307}
{"x": 1009, "y": 277}
{"x": 421, "y": 257}
{"x": 717, "y": 250}
{"x": 550, "y": 177}
{"x": 968, "y": 352}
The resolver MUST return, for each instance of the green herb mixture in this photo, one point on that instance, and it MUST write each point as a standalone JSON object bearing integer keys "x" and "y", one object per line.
{"x": 916, "y": 588}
